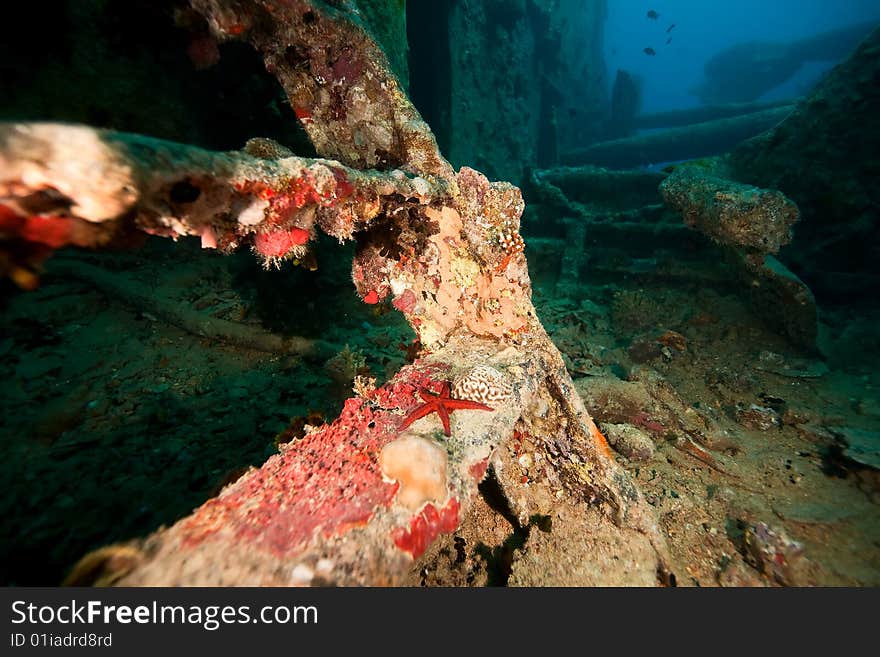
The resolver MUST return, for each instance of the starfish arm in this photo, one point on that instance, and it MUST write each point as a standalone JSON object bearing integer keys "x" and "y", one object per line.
{"x": 416, "y": 414}
{"x": 444, "y": 418}
{"x": 442, "y": 404}
{"x": 465, "y": 404}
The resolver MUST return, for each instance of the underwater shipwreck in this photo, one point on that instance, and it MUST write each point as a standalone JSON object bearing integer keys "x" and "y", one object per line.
{"x": 366, "y": 292}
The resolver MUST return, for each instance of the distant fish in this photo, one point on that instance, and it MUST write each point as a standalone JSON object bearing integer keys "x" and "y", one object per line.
{"x": 650, "y": 51}
{"x": 653, "y": 15}
{"x": 669, "y": 29}
{"x": 668, "y": 41}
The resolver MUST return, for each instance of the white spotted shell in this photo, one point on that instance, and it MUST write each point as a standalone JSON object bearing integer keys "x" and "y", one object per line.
{"x": 482, "y": 384}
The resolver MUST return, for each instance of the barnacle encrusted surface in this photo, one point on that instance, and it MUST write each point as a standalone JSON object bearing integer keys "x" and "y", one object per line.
{"x": 482, "y": 384}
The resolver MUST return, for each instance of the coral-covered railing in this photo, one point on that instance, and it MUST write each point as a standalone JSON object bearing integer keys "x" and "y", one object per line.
{"x": 360, "y": 499}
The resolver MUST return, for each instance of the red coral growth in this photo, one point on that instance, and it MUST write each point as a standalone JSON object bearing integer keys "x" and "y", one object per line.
{"x": 231, "y": 23}
{"x": 403, "y": 392}
{"x": 53, "y": 232}
{"x": 254, "y": 188}
{"x": 284, "y": 202}
{"x": 405, "y": 302}
{"x": 347, "y": 67}
{"x": 641, "y": 419}
{"x": 304, "y": 115}
{"x": 10, "y": 221}
{"x": 304, "y": 191}
{"x": 371, "y": 297}
{"x": 478, "y": 470}
{"x": 503, "y": 264}
{"x": 324, "y": 484}
{"x": 425, "y": 527}
{"x": 279, "y": 243}
{"x": 344, "y": 188}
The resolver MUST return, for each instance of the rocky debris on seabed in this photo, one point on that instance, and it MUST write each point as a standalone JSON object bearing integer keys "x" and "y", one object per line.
{"x": 862, "y": 445}
{"x": 731, "y": 213}
{"x": 793, "y": 367}
{"x": 649, "y": 402}
{"x": 759, "y": 418}
{"x": 775, "y": 554}
{"x": 738, "y": 574}
{"x": 787, "y": 468}
{"x": 781, "y": 298}
{"x": 667, "y": 346}
{"x": 629, "y": 441}
{"x": 751, "y": 224}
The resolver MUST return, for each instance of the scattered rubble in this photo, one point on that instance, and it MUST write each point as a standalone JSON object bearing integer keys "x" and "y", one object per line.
{"x": 629, "y": 441}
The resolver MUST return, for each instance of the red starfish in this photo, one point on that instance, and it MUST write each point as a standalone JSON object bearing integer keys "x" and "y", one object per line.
{"x": 442, "y": 404}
